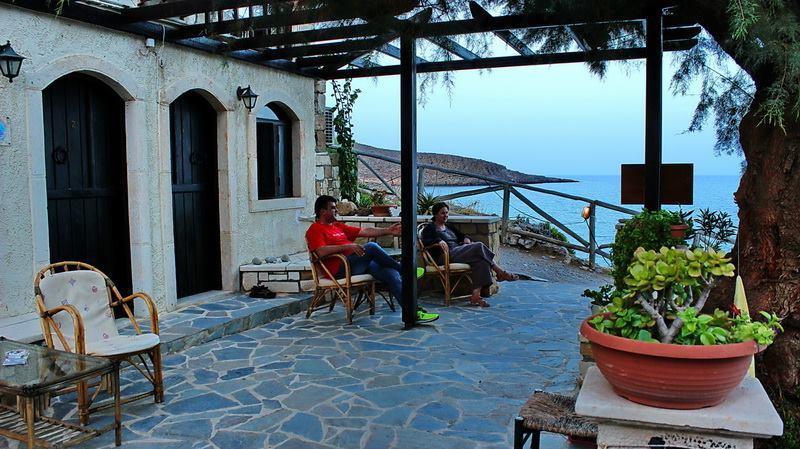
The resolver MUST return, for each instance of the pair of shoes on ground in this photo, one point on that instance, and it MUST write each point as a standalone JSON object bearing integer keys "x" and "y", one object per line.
{"x": 424, "y": 317}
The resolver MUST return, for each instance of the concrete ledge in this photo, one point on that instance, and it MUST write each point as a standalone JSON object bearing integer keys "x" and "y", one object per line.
{"x": 747, "y": 412}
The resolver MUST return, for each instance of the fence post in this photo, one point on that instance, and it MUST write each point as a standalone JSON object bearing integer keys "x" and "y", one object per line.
{"x": 504, "y": 223}
{"x": 420, "y": 180}
{"x": 592, "y": 239}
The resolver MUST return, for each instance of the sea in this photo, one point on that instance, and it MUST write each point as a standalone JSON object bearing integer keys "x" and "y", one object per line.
{"x": 710, "y": 192}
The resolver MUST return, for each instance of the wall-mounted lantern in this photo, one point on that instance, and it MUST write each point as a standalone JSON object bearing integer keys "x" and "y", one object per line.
{"x": 10, "y": 62}
{"x": 247, "y": 96}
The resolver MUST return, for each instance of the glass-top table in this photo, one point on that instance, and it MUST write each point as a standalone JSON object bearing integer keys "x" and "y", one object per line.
{"x": 46, "y": 372}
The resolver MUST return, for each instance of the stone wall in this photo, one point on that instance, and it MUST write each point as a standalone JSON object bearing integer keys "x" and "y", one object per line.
{"x": 327, "y": 174}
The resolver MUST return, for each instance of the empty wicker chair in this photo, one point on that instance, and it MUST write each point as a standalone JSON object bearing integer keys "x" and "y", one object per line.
{"x": 75, "y": 301}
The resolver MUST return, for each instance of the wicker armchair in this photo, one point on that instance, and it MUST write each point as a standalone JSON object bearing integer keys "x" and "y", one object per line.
{"x": 326, "y": 285}
{"x": 445, "y": 272}
{"x": 75, "y": 302}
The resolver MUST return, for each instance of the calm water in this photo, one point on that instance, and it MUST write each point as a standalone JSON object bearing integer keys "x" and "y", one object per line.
{"x": 714, "y": 192}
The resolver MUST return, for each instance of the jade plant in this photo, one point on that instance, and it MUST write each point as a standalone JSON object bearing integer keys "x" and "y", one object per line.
{"x": 665, "y": 292}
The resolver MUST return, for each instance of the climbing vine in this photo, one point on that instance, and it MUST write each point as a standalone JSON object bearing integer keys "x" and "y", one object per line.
{"x": 348, "y": 163}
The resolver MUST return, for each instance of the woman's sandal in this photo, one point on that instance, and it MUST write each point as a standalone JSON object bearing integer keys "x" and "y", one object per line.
{"x": 506, "y": 276}
{"x": 475, "y": 303}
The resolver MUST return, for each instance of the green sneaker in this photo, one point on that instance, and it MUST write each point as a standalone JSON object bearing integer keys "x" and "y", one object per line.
{"x": 420, "y": 272}
{"x": 425, "y": 317}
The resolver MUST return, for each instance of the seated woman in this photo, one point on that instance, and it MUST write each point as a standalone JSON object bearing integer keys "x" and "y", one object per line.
{"x": 463, "y": 250}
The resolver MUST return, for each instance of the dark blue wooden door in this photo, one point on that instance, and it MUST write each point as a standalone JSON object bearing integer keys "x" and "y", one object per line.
{"x": 195, "y": 198}
{"x": 87, "y": 203}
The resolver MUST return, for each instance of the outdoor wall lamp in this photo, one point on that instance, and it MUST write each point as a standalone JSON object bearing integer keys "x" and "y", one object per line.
{"x": 247, "y": 96}
{"x": 10, "y": 62}
{"x": 586, "y": 212}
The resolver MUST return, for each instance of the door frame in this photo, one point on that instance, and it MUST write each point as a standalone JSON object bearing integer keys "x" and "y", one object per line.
{"x": 136, "y": 161}
{"x": 226, "y": 179}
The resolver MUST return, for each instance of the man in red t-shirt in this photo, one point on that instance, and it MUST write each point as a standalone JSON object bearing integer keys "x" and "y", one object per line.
{"x": 327, "y": 236}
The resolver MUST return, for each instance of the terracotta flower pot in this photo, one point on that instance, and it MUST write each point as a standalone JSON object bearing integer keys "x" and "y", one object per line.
{"x": 381, "y": 210}
{"x": 678, "y": 231}
{"x": 666, "y": 375}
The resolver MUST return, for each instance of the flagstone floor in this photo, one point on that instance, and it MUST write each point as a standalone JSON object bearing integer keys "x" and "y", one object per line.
{"x": 318, "y": 383}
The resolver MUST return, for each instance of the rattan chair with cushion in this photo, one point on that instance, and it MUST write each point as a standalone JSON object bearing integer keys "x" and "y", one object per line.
{"x": 75, "y": 302}
{"x": 328, "y": 289}
{"x": 446, "y": 272}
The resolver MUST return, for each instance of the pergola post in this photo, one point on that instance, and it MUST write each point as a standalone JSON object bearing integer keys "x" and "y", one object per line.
{"x": 653, "y": 110}
{"x": 408, "y": 171}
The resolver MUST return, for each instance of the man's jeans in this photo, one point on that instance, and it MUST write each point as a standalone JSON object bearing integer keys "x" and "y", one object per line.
{"x": 380, "y": 265}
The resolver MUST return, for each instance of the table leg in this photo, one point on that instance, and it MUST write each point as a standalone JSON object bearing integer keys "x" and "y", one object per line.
{"x": 30, "y": 421}
{"x": 117, "y": 411}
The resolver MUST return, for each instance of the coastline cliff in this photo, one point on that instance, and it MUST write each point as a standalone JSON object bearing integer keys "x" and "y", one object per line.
{"x": 391, "y": 171}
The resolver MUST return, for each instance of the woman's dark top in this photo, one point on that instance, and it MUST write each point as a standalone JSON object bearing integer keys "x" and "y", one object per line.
{"x": 450, "y": 235}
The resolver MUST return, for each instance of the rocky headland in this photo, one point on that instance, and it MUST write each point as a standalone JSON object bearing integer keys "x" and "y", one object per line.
{"x": 391, "y": 171}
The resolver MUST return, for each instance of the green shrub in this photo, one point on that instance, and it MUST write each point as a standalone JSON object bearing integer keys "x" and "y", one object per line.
{"x": 649, "y": 230}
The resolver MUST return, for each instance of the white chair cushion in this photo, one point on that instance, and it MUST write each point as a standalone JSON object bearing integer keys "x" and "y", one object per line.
{"x": 353, "y": 279}
{"x": 86, "y": 291}
{"x": 122, "y": 344}
{"x": 453, "y": 267}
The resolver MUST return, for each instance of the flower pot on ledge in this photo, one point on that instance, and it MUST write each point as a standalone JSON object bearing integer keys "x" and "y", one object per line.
{"x": 670, "y": 376}
{"x": 678, "y": 231}
{"x": 382, "y": 210}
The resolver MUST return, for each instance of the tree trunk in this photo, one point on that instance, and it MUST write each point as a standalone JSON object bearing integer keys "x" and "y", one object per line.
{"x": 768, "y": 247}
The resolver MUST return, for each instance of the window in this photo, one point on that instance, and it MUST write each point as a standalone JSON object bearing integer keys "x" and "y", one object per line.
{"x": 274, "y": 153}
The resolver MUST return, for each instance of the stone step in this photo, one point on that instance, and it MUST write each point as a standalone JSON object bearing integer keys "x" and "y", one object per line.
{"x": 201, "y": 322}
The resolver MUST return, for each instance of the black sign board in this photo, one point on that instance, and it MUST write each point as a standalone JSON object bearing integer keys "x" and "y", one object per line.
{"x": 677, "y": 184}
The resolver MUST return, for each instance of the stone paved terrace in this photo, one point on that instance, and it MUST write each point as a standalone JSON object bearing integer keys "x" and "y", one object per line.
{"x": 318, "y": 383}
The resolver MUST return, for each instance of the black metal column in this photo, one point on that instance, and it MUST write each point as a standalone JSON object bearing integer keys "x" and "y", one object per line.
{"x": 653, "y": 110}
{"x": 408, "y": 172}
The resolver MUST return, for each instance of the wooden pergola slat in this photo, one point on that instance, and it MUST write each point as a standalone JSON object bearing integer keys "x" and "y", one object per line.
{"x": 182, "y": 8}
{"x": 308, "y": 36}
{"x": 321, "y": 49}
{"x": 286, "y": 19}
{"x": 394, "y": 52}
{"x": 454, "y": 47}
{"x": 480, "y": 14}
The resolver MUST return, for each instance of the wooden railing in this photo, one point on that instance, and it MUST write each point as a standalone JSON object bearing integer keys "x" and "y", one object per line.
{"x": 586, "y": 245}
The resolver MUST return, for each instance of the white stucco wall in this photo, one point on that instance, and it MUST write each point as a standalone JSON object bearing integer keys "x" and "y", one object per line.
{"x": 148, "y": 80}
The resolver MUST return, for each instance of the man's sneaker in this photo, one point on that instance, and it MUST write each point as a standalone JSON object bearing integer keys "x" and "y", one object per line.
{"x": 420, "y": 272}
{"x": 425, "y": 317}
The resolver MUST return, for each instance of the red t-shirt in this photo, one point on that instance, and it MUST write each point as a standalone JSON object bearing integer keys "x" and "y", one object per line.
{"x": 320, "y": 234}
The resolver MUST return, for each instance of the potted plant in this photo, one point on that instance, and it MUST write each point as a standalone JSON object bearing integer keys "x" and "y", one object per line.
{"x": 655, "y": 347}
{"x": 683, "y": 224}
{"x": 380, "y": 208}
{"x": 647, "y": 229}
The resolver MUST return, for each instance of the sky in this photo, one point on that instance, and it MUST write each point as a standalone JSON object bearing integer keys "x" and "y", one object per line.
{"x": 548, "y": 120}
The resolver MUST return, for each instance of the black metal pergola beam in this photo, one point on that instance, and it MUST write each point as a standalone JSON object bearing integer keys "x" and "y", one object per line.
{"x": 503, "y": 61}
{"x": 653, "y": 110}
{"x": 285, "y": 19}
{"x": 408, "y": 174}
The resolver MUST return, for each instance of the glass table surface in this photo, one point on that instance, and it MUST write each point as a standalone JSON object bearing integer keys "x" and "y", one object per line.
{"x": 45, "y": 368}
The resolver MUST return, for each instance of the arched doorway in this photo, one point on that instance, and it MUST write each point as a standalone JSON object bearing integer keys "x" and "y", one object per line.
{"x": 87, "y": 201}
{"x": 195, "y": 197}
